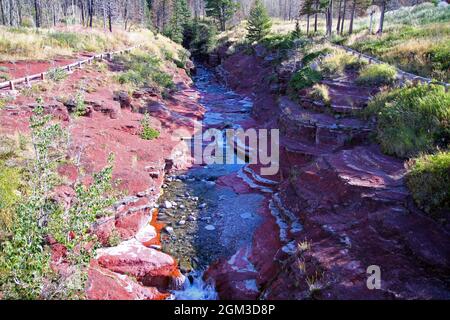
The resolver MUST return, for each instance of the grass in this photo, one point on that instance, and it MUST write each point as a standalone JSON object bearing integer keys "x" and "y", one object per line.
{"x": 338, "y": 62}
{"x": 31, "y": 44}
{"x": 415, "y": 39}
{"x": 412, "y": 120}
{"x": 142, "y": 68}
{"x": 429, "y": 182}
{"x": 10, "y": 182}
{"x": 377, "y": 75}
{"x": 320, "y": 92}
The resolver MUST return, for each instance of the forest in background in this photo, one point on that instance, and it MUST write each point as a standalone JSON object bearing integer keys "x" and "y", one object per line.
{"x": 170, "y": 16}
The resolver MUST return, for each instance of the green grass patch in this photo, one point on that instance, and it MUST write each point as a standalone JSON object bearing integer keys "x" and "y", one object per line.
{"x": 377, "y": 75}
{"x": 412, "y": 120}
{"x": 143, "y": 69}
{"x": 339, "y": 62}
{"x": 429, "y": 182}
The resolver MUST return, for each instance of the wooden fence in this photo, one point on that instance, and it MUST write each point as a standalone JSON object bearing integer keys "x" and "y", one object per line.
{"x": 10, "y": 84}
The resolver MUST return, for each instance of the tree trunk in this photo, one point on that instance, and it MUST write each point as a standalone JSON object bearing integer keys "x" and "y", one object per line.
{"x": 383, "y": 9}
{"x": 307, "y": 25}
{"x": 339, "y": 16}
{"x": 315, "y": 16}
{"x": 343, "y": 17}
{"x": 83, "y": 19}
{"x": 19, "y": 11}
{"x": 104, "y": 15}
{"x": 2, "y": 11}
{"x": 110, "y": 17}
{"x": 350, "y": 29}
{"x": 37, "y": 9}
{"x": 91, "y": 12}
{"x": 11, "y": 13}
{"x": 330, "y": 19}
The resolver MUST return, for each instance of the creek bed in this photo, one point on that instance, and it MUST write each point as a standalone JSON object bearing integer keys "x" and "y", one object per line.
{"x": 206, "y": 221}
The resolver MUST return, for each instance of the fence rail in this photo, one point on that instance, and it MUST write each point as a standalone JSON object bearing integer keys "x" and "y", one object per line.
{"x": 76, "y": 65}
{"x": 402, "y": 75}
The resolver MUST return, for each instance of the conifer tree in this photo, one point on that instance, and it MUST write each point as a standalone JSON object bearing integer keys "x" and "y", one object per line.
{"x": 259, "y": 22}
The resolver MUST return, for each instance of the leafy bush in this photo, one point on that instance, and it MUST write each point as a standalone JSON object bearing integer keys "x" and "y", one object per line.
{"x": 429, "y": 182}
{"x": 278, "y": 41}
{"x": 4, "y": 77}
{"x": 304, "y": 78}
{"x": 25, "y": 271}
{"x": 310, "y": 57}
{"x": 57, "y": 74}
{"x": 147, "y": 132}
{"x": 412, "y": 119}
{"x": 80, "y": 106}
{"x": 376, "y": 75}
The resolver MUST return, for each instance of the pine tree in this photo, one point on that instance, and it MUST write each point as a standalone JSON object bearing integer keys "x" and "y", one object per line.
{"x": 221, "y": 10}
{"x": 297, "y": 33}
{"x": 180, "y": 16}
{"x": 259, "y": 22}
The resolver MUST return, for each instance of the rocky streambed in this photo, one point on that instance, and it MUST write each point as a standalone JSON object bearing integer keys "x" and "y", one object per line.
{"x": 205, "y": 219}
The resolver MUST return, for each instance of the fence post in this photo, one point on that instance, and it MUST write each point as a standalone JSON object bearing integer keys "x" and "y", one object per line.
{"x": 11, "y": 85}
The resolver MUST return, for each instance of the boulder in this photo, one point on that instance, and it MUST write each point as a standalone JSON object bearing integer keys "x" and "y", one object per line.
{"x": 104, "y": 284}
{"x": 147, "y": 265}
{"x": 123, "y": 98}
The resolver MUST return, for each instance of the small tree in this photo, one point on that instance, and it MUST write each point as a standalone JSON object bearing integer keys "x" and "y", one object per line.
{"x": 259, "y": 22}
{"x": 221, "y": 10}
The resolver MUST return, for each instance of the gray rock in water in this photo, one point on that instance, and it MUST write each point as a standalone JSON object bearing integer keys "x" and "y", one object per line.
{"x": 182, "y": 222}
{"x": 169, "y": 230}
{"x": 202, "y": 206}
{"x": 246, "y": 215}
{"x": 168, "y": 204}
{"x": 210, "y": 227}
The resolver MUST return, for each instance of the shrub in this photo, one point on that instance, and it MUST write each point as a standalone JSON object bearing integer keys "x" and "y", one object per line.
{"x": 4, "y": 101}
{"x": 429, "y": 182}
{"x": 376, "y": 75}
{"x": 304, "y": 78}
{"x": 4, "y": 77}
{"x": 10, "y": 180}
{"x": 80, "y": 106}
{"x": 412, "y": 119}
{"x": 278, "y": 42}
{"x": 57, "y": 74}
{"x": 25, "y": 271}
{"x": 310, "y": 57}
{"x": 147, "y": 132}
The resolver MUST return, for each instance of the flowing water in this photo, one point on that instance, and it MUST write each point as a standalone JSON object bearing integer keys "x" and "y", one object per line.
{"x": 205, "y": 220}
